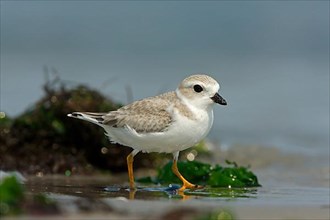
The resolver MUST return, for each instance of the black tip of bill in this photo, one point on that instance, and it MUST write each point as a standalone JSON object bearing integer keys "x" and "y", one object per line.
{"x": 218, "y": 99}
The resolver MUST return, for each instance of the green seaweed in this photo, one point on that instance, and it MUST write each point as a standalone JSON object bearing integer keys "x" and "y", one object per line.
{"x": 199, "y": 173}
{"x": 192, "y": 171}
{"x": 11, "y": 196}
{"x": 15, "y": 200}
{"x": 43, "y": 140}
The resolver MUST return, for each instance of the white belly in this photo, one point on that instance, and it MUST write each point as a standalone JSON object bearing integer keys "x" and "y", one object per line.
{"x": 182, "y": 134}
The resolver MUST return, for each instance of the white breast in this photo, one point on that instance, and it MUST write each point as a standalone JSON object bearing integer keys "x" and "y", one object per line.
{"x": 182, "y": 134}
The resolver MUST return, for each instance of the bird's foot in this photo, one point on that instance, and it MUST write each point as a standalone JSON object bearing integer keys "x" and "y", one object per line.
{"x": 187, "y": 185}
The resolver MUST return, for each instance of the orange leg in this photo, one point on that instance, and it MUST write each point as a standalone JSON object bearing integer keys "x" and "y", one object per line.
{"x": 186, "y": 183}
{"x": 130, "y": 159}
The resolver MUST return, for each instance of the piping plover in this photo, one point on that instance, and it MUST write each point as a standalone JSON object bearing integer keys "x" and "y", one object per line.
{"x": 168, "y": 123}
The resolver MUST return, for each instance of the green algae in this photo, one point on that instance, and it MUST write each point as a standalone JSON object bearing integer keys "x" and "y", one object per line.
{"x": 43, "y": 140}
{"x": 233, "y": 176}
{"x": 11, "y": 196}
{"x": 15, "y": 199}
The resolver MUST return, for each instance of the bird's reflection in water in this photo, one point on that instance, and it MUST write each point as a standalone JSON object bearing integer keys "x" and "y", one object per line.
{"x": 172, "y": 192}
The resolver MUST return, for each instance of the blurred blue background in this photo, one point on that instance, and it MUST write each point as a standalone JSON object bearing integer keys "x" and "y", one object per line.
{"x": 270, "y": 57}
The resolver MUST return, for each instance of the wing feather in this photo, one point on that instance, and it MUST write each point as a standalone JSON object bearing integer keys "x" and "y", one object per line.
{"x": 147, "y": 115}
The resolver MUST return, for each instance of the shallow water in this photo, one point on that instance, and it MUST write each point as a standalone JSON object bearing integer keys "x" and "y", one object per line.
{"x": 103, "y": 187}
{"x": 109, "y": 195}
{"x": 286, "y": 179}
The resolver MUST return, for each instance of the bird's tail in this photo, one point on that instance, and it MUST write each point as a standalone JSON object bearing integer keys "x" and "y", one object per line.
{"x": 96, "y": 118}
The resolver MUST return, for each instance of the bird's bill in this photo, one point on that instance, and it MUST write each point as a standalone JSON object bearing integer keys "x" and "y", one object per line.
{"x": 218, "y": 99}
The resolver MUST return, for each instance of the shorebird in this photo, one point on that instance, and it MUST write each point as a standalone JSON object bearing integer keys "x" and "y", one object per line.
{"x": 167, "y": 123}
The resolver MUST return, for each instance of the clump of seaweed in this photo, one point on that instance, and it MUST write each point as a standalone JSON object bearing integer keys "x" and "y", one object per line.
{"x": 43, "y": 140}
{"x": 204, "y": 174}
{"x": 12, "y": 193}
{"x": 16, "y": 201}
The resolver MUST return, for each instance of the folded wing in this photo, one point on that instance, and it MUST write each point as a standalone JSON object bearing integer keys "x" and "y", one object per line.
{"x": 144, "y": 116}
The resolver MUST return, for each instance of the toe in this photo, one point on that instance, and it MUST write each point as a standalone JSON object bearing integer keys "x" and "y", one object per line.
{"x": 199, "y": 187}
{"x": 191, "y": 186}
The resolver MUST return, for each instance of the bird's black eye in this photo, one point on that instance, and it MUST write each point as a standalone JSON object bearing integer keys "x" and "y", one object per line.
{"x": 198, "y": 88}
